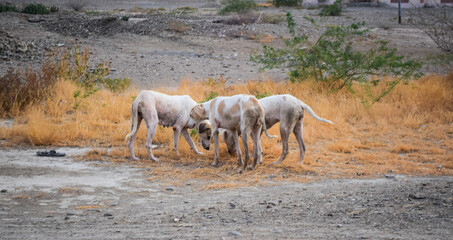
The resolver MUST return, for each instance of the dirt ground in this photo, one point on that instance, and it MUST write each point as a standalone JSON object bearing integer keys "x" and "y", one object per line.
{"x": 68, "y": 198}
{"x": 59, "y": 198}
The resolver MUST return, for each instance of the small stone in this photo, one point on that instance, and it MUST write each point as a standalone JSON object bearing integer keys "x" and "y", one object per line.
{"x": 234, "y": 233}
{"x": 277, "y": 231}
{"x": 4, "y": 190}
{"x": 170, "y": 189}
{"x": 107, "y": 215}
{"x": 389, "y": 176}
{"x": 232, "y": 205}
{"x": 339, "y": 226}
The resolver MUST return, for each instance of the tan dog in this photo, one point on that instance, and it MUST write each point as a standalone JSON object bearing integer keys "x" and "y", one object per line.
{"x": 287, "y": 110}
{"x": 166, "y": 110}
{"x": 236, "y": 113}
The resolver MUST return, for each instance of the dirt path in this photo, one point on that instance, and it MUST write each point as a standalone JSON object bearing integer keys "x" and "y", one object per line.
{"x": 55, "y": 198}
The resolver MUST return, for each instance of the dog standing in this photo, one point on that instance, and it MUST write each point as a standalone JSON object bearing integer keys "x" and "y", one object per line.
{"x": 287, "y": 110}
{"x": 236, "y": 113}
{"x": 166, "y": 110}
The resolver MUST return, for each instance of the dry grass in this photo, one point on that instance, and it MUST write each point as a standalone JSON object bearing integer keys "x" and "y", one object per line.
{"x": 409, "y": 132}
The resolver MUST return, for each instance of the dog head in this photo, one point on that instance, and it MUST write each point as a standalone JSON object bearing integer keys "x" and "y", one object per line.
{"x": 227, "y": 137}
{"x": 204, "y": 132}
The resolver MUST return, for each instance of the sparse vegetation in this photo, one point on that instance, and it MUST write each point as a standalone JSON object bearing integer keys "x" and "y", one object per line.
{"x": 183, "y": 10}
{"x": 20, "y": 89}
{"x": 437, "y": 24}
{"x": 36, "y": 9}
{"x": 332, "y": 10}
{"x": 332, "y": 60}
{"x": 77, "y": 5}
{"x": 290, "y": 3}
{"x": 237, "y": 6}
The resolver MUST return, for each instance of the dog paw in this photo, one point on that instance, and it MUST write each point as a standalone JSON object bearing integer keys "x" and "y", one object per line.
{"x": 200, "y": 153}
{"x": 240, "y": 171}
{"x": 155, "y": 159}
{"x": 214, "y": 164}
{"x": 135, "y": 158}
{"x": 250, "y": 167}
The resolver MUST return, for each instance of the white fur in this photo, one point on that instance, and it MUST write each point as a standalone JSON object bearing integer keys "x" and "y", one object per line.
{"x": 166, "y": 110}
{"x": 236, "y": 113}
{"x": 287, "y": 110}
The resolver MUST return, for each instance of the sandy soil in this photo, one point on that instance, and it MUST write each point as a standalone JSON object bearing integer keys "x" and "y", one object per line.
{"x": 68, "y": 198}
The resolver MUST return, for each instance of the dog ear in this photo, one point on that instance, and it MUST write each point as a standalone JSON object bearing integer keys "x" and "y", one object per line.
{"x": 204, "y": 127}
{"x": 197, "y": 112}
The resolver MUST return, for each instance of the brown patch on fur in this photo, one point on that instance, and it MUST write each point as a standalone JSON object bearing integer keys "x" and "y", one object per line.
{"x": 235, "y": 109}
{"x": 221, "y": 107}
{"x": 197, "y": 113}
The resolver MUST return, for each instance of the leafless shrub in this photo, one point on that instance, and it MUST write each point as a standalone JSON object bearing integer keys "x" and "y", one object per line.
{"x": 77, "y": 5}
{"x": 437, "y": 23}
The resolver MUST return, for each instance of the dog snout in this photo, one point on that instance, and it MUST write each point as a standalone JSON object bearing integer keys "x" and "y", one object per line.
{"x": 206, "y": 147}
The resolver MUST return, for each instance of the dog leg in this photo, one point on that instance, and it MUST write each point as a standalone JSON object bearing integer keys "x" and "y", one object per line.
{"x": 189, "y": 140}
{"x": 151, "y": 120}
{"x": 215, "y": 135}
{"x": 130, "y": 143}
{"x": 284, "y": 133}
{"x": 238, "y": 148}
{"x": 176, "y": 133}
{"x": 298, "y": 130}
{"x": 245, "y": 144}
{"x": 256, "y": 148}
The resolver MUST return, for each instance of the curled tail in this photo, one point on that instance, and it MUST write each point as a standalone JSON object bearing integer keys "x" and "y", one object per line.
{"x": 313, "y": 114}
{"x": 263, "y": 122}
{"x": 134, "y": 119}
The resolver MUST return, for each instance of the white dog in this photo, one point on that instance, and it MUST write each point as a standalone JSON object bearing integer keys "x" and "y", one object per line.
{"x": 236, "y": 113}
{"x": 166, "y": 110}
{"x": 287, "y": 110}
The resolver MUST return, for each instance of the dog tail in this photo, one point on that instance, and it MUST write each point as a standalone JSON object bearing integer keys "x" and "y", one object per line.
{"x": 313, "y": 114}
{"x": 263, "y": 122}
{"x": 134, "y": 119}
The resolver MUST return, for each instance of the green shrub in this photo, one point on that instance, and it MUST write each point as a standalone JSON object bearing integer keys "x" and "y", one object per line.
{"x": 36, "y": 9}
{"x": 117, "y": 85}
{"x": 333, "y": 61}
{"x": 8, "y": 8}
{"x": 239, "y": 6}
{"x": 291, "y": 3}
{"x": 332, "y": 10}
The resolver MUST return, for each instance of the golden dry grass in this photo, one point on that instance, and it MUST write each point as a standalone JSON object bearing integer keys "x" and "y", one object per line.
{"x": 408, "y": 132}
